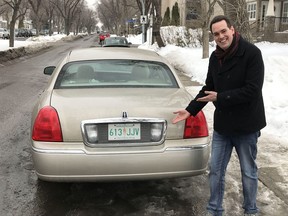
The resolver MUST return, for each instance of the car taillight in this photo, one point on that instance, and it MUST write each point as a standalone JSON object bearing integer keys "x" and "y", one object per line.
{"x": 196, "y": 126}
{"x": 47, "y": 126}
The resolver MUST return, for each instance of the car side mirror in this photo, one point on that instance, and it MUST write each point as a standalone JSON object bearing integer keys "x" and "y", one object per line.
{"x": 49, "y": 70}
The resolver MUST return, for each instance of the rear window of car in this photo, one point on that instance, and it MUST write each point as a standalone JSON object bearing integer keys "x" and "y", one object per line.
{"x": 115, "y": 73}
{"x": 115, "y": 41}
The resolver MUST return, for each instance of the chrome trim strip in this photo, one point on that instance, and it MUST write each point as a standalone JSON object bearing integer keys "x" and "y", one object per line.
{"x": 57, "y": 151}
{"x": 182, "y": 148}
{"x": 60, "y": 151}
{"x": 123, "y": 120}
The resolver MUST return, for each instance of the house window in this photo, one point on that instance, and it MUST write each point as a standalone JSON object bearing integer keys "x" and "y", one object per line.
{"x": 192, "y": 14}
{"x": 285, "y": 12}
{"x": 251, "y": 8}
{"x": 193, "y": 9}
{"x": 263, "y": 15}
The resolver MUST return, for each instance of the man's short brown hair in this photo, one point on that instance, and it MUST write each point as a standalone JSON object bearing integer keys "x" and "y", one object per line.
{"x": 218, "y": 19}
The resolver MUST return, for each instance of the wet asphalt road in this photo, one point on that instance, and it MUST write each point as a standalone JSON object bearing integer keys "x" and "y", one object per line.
{"x": 21, "y": 83}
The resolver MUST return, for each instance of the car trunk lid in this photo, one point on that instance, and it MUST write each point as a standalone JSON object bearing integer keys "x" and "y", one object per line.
{"x": 75, "y": 105}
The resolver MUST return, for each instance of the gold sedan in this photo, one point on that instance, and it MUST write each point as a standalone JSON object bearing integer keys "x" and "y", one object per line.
{"x": 106, "y": 116}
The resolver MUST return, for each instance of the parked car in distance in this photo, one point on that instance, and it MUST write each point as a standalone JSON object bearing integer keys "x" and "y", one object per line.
{"x": 44, "y": 32}
{"x": 116, "y": 42}
{"x": 33, "y": 32}
{"x": 23, "y": 32}
{"x": 4, "y": 33}
{"x": 102, "y": 36}
{"x": 106, "y": 115}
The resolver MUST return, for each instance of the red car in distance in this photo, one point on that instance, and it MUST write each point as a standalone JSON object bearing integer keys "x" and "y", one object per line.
{"x": 102, "y": 36}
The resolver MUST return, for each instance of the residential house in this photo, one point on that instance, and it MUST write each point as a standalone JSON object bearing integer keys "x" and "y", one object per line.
{"x": 257, "y": 10}
{"x": 189, "y": 11}
{"x": 182, "y": 9}
{"x": 3, "y": 23}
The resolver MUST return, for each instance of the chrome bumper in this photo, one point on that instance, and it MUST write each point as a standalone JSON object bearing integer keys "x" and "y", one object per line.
{"x": 77, "y": 165}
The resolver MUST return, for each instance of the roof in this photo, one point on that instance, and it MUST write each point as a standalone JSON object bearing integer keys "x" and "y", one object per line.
{"x": 116, "y": 37}
{"x": 113, "y": 53}
{"x": 116, "y": 41}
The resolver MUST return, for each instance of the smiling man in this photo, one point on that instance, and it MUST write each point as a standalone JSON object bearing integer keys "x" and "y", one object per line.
{"x": 234, "y": 85}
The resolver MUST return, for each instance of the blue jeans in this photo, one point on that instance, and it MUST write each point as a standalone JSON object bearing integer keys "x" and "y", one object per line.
{"x": 246, "y": 148}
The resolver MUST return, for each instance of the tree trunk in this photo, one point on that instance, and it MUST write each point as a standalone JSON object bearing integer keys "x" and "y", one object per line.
{"x": 67, "y": 26}
{"x": 12, "y": 33}
{"x": 157, "y": 23}
{"x": 205, "y": 38}
{"x": 13, "y": 21}
{"x": 205, "y": 33}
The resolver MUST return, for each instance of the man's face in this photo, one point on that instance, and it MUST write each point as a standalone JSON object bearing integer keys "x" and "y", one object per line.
{"x": 223, "y": 35}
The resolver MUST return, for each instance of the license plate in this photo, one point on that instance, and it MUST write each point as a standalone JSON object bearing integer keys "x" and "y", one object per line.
{"x": 130, "y": 131}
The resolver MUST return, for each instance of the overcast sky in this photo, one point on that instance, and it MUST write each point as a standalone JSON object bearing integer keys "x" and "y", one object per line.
{"x": 90, "y": 2}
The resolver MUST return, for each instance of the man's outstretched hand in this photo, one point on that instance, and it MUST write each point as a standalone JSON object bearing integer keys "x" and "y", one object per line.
{"x": 181, "y": 115}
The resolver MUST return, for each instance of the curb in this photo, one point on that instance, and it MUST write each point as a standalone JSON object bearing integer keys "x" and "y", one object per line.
{"x": 15, "y": 53}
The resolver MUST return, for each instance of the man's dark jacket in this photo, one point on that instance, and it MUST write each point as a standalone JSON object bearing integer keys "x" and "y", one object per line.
{"x": 238, "y": 80}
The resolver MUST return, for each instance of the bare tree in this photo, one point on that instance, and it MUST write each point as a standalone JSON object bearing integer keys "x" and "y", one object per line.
{"x": 156, "y": 7}
{"x": 147, "y": 5}
{"x": 110, "y": 14}
{"x": 89, "y": 20}
{"x": 3, "y": 7}
{"x": 204, "y": 10}
{"x": 68, "y": 10}
{"x": 37, "y": 13}
{"x": 104, "y": 12}
{"x": 15, "y": 6}
{"x": 114, "y": 14}
{"x": 5, "y": 12}
{"x": 207, "y": 10}
{"x": 51, "y": 15}
{"x": 24, "y": 7}
{"x": 236, "y": 10}
{"x": 78, "y": 19}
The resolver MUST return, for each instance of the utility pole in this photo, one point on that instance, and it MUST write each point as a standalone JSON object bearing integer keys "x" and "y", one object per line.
{"x": 143, "y": 23}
